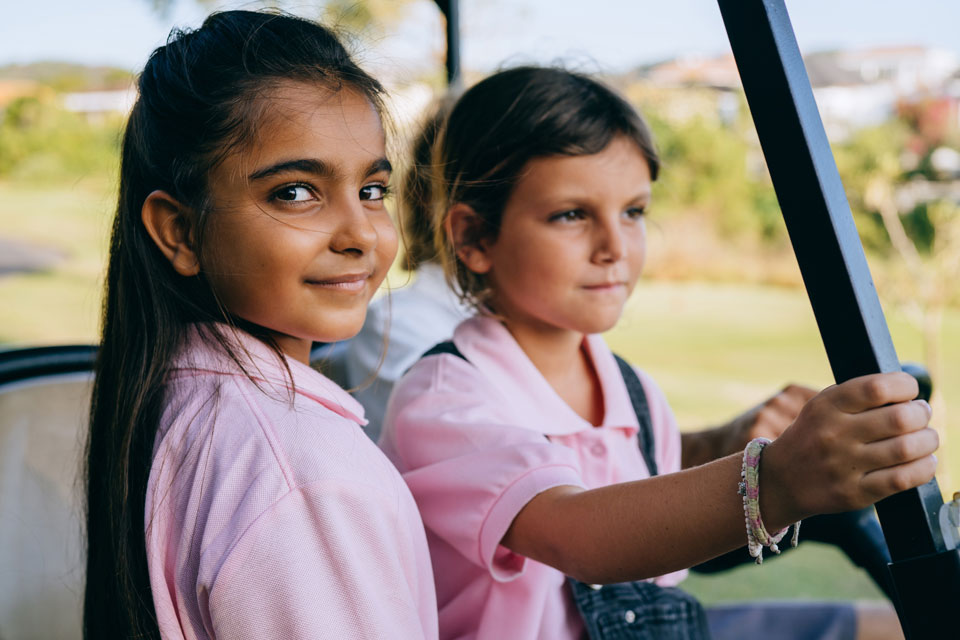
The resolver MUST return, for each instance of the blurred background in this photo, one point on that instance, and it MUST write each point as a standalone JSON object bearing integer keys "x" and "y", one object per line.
{"x": 721, "y": 319}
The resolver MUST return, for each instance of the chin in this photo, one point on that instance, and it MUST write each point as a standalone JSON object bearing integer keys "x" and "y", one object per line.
{"x": 339, "y": 332}
{"x": 335, "y": 336}
{"x": 597, "y": 325}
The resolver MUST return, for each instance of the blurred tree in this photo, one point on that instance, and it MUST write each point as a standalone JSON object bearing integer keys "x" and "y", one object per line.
{"x": 714, "y": 193}
{"x": 41, "y": 140}
{"x": 869, "y": 162}
{"x": 921, "y": 239}
{"x": 358, "y": 16}
{"x": 66, "y": 76}
{"x": 708, "y": 169}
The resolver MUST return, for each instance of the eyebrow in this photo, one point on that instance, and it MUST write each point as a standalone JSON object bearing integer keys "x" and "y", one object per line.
{"x": 378, "y": 166}
{"x": 317, "y": 167}
{"x": 639, "y": 197}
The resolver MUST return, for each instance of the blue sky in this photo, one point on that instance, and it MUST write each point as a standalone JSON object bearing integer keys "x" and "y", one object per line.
{"x": 601, "y": 34}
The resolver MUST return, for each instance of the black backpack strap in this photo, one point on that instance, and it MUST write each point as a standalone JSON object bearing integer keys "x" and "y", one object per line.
{"x": 638, "y": 398}
{"x": 444, "y": 347}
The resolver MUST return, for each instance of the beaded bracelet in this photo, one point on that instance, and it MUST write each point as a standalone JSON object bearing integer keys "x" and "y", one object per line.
{"x": 749, "y": 487}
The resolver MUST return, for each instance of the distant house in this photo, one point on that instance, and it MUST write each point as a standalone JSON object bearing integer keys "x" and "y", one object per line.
{"x": 864, "y": 87}
{"x": 93, "y": 105}
{"x": 716, "y": 73}
{"x": 852, "y": 88}
{"x": 909, "y": 70}
{"x": 99, "y": 104}
{"x": 716, "y": 78}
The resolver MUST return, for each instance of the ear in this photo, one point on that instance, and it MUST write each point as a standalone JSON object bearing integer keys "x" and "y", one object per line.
{"x": 463, "y": 227}
{"x": 170, "y": 224}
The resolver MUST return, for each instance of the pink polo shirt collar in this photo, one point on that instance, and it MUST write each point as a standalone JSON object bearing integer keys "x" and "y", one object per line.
{"x": 202, "y": 353}
{"x": 487, "y": 343}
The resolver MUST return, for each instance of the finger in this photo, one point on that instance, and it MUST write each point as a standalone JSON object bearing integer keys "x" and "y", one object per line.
{"x": 791, "y": 400}
{"x": 901, "y": 449}
{"x": 893, "y": 420}
{"x": 882, "y": 483}
{"x": 779, "y": 412}
{"x": 800, "y": 391}
{"x": 771, "y": 423}
{"x": 876, "y": 390}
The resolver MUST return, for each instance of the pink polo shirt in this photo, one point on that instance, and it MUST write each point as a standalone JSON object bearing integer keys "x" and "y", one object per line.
{"x": 476, "y": 440}
{"x": 270, "y": 514}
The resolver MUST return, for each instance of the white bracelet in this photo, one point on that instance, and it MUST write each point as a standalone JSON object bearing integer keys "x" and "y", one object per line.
{"x": 749, "y": 488}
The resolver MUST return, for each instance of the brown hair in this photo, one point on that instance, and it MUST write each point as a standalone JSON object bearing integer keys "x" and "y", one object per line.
{"x": 416, "y": 194}
{"x": 502, "y": 123}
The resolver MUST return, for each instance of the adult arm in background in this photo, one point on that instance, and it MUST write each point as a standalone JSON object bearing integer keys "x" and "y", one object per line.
{"x": 766, "y": 420}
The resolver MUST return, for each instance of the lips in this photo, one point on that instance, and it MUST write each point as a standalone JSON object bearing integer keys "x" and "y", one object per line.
{"x": 604, "y": 286}
{"x": 345, "y": 282}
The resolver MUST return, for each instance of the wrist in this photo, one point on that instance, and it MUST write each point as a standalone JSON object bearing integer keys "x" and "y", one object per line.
{"x": 762, "y": 523}
{"x": 777, "y": 504}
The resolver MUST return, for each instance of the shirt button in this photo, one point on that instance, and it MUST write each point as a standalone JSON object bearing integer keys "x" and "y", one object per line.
{"x": 598, "y": 449}
{"x": 596, "y": 587}
{"x": 630, "y": 617}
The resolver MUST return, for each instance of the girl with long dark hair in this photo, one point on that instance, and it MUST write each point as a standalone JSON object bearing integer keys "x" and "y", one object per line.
{"x": 230, "y": 490}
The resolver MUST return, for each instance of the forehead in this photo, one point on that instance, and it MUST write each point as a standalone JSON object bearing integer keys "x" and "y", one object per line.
{"x": 620, "y": 166}
{"x": 304, "y": 120}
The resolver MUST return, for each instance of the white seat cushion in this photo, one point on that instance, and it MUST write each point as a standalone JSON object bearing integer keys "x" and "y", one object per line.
{"x": 42, "y": 431}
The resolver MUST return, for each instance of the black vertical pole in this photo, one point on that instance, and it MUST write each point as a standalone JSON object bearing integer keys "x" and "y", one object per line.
{"x": 926, "y": 574}
{"x": 451, "y": 13}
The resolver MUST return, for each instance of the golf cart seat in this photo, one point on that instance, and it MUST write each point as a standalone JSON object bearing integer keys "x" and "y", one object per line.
{"x": 44, "y": 399}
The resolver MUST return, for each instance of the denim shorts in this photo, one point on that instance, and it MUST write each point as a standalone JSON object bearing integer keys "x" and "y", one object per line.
{"x": 783, "y": 621}
{"x": 644, "y": 611}
{"x": 639, "y": 611}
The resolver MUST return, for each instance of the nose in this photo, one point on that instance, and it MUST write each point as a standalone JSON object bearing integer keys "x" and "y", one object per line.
{"x": 355, "y": 233}
{"x": 610, "y": 245}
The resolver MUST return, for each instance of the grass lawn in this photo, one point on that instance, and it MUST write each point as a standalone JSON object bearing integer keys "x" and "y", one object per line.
{"x": 715, "y": 349}
{"x": 60, "y": 305}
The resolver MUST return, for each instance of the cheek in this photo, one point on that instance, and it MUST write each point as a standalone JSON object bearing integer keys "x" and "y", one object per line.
{"x": 636, "y": 259}
{"x": 638, "y": 245}
{"x": 257, "y": 251}
{"x": 536, "y": 270}
{"x": 217, "y": 258}
{"x": 387, "y": 242}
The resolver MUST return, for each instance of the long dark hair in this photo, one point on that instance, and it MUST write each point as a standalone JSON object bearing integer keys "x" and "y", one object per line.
{"x": 505, "y": 121}
{"x": 200, "y": 97}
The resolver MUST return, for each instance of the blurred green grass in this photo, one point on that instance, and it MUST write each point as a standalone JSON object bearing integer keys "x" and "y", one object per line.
{"x": 716, "y": 349}
{"x": 61, "y": 304}
{"x": 812, "y": 571}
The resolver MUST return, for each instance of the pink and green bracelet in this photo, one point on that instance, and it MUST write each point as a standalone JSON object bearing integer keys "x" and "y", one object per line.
{"x": 757, "y": 535}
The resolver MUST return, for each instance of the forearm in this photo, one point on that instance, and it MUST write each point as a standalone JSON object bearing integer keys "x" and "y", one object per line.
{"x": 852, "y": 445}
{"x": 635, "y": 530}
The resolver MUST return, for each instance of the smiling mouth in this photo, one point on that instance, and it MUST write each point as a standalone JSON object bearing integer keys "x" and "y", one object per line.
{"x": 606, "y": 286}
{"x": 350, "y": 282}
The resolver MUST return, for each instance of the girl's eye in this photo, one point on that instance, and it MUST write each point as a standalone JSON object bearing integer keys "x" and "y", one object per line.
{"x": 374, "y": 192}
{"x": 293, "y": 193}
{"x": 634, "y": 213}
{"x": 568, "y": 216}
